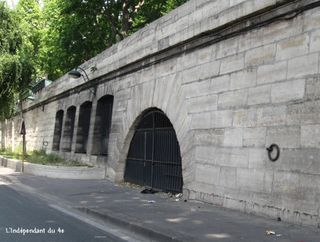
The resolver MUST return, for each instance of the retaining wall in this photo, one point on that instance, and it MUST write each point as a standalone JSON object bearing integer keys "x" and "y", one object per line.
{"x": 233, "y": 77}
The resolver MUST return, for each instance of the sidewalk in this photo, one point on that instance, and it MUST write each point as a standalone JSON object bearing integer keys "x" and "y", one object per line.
{"x": 161, "y": 218}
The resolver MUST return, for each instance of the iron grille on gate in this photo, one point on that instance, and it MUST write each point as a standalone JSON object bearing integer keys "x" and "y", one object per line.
{"x": 154, "y": 158}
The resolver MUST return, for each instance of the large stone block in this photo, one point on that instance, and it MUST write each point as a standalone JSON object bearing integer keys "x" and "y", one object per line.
{"x": 196, "y": 89}
{"x": 190, "y": 60}
{"x": 311, "y": 20}
{"x": 287, "y": 183}
{"x": 147, "y": 93}
{"x": 220, "y": 84}
{"x": 296, "y": 186}
{"x": 201, "y": 121}
{"x": 220, "y": 119}
{"x": 208, "y": 23}
{"x": 272, "y": 72}
{"x": 259, "y": 95}
{"x": 179, "y": 110}
{"x": 148, "y": 74}
{"x": 293, "y": 47}
{"x": 120, "y": 105}
{"x": 233, "y": 99}
{"x": 243, "y": 79}
{"x": 260, "y": 55}
{"x": 271, "y": 116}
{"x": 310, "y": 136}
{"x": 227, "y": 48}
{"x": 166, "y": 67}
{"x": 231, "y": 157}
{"x": 315, "y": 41}
{"x": 235, "y": 2}
{"x": 184, "y": 134}
{"x": 285, "y": 137}
{"x": 254, "y": 137}
{"x": 209, "y": 70}
{"x": 287, "y": 91}
{"x": 212, "y": 137}
{"x": 205, "y": 154}
{"x": 207, "y": 174}
{"x": 258, "y": 158}
{"x": 303, "y": 66}
{"x": 243, "y": 9}
{"x": 162, "y": 94}
{"x": 206, "y": 9}
{"x": 304, "y": 113}
{"x": 313, "y": 88}
{"x": 255, "y": 180}
{"x": 190, "y": 75}
{"x": 227, "y": 177}
{"x": 300, "y": 160}
{"x": 310, "y": 184}
{"x": 232, "y": 63}
{"x": 270, "y": 34}
{"x": 239, "y": 157}
{"x": 204, "y": 55}
{"x": 202, "y": 104}
{"x": 233, "y": 137}
{"x": 245, "y": 118}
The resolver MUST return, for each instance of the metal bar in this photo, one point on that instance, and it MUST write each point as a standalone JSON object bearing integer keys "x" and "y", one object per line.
{"x": 153, "y": 149}
{"x": 145, "y": 158}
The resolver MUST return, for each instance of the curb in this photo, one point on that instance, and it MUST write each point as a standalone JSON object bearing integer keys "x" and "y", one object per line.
{"x": 61, "y": 172}
{"x": 130, "y": 226}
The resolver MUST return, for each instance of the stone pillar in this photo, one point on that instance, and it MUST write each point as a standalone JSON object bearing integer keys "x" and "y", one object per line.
{"x": 76, "y": 123}
{"x": 12, "y": 136}
{"x": 91, "y": 129}
{"x": 62, "y": 130}
{"x": 3, "y": 134}
{"x": 68, "y": 129}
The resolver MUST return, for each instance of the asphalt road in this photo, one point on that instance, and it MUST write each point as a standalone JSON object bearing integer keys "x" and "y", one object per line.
{"x": 21, "y": 213}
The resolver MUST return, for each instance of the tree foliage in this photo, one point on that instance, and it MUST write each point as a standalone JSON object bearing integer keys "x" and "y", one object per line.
{"x": 31, "y": 25}
{"x": 47, "y": 38}
{"x": 10, "y": 66}
{"x": 77, "y": 30}
{"x": 18, "y": 46}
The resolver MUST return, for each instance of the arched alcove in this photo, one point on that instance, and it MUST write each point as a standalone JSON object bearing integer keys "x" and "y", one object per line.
{"x": 83, "y": 127}
{"x": 154, "y": 158}
{"x": 68, "y": 129}
{"x": 102, "y": 126}
{"x": 57, "y": 130}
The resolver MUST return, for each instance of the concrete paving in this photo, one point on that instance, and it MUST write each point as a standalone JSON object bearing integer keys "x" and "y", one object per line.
{"x": 27, "y": 219}
{"x": 159, "y": 217}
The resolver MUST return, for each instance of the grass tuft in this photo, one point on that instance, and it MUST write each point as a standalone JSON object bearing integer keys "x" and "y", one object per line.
{"x": 40, "y": 157}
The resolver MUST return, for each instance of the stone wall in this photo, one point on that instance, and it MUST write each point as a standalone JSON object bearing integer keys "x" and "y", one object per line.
{"x": 233, "y": 77}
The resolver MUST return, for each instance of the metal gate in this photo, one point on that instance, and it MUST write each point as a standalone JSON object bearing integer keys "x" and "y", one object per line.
{"x": 154, "y": 158}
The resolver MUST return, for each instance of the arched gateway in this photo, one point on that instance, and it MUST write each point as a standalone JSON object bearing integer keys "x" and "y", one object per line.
{"x": 154, "y": 158}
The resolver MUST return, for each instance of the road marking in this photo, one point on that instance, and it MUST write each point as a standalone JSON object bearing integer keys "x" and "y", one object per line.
{"x": 50, "y": 221}
{"x": 109, "y": 229}
{"x": 100, "y": 237}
